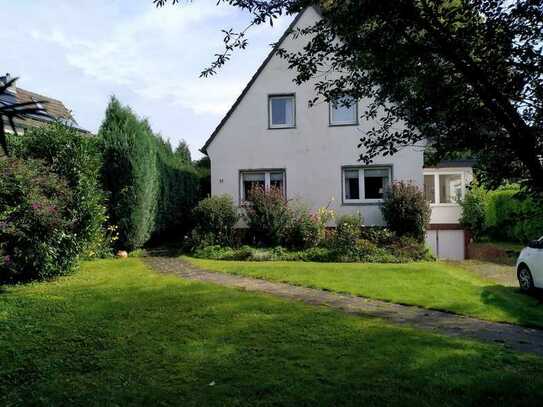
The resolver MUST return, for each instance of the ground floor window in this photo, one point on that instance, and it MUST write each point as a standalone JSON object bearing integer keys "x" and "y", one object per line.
{"x": 444, "y": 188}
{"x": 266, "y": 179}
{"x": 365, "y": 184}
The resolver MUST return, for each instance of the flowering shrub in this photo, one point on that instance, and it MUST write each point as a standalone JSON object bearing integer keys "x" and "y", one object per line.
{"x": 304, "y": 229}
{"x": 37, "y": 226}
{"x": 267, "y": 215}
{"x": 76, "y": 158}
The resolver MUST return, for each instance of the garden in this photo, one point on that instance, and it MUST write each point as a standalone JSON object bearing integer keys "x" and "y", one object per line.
{"x": 274, "y": 229}
{"x": 78, "y": 326}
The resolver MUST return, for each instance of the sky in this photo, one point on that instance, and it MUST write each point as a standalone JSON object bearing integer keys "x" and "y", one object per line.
{"x": 83, "y": 52}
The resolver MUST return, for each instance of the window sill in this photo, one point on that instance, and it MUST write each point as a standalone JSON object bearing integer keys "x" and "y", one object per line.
{"x": 362, "y": 203}
{"x": 343, "y": 124}
{"x": 444, "y": 205}
{"x": 281, "y": 128}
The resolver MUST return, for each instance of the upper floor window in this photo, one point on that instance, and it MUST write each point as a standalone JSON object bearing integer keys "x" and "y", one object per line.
{"x": 344, "y": 112}
{"x": 261, "y": 179}
{"x": 282, "y": 111}
{"x": 444, "y": 188}
{"x": 365, "y": 184}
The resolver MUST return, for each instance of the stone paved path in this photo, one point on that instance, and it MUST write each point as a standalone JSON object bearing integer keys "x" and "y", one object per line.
{"x": 511, "y": 336}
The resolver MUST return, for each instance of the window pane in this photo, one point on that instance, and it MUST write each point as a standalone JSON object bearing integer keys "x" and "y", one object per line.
{"x": 341, "y": 114}
{"x": 277, "y": 180}
{"x": 450, "y": 188}
{"x": 375, "y": 182}
{"x": 352, "y": 184}
{"x": 430, "y": 188}
{"x": 252, "y": 180}
{"x": 282, "y": 111}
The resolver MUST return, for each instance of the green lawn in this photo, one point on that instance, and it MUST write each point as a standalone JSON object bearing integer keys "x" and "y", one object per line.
{"x": 115, "y": 333}
{"x": 435, "y": 285}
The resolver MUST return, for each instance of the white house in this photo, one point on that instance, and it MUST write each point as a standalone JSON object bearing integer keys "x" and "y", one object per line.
{"x": 272, "y": 137}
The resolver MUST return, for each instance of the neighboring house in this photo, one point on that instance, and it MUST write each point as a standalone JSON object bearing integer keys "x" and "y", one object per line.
{"x": 272, "y": 137}
{"x": 55, "y": 110}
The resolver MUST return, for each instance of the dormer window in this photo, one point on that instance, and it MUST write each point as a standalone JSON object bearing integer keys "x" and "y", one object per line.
{"x": 344, "y": 112}
{"x": 282, "y": 111}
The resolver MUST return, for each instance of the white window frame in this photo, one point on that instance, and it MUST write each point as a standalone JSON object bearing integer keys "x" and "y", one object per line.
{"x": 362, "y": 185}
{"x": 270, "y": 112}
{"x": 354, "y": 122}
{"x": 437, "y": 191}
{"x": 267, "y": 181}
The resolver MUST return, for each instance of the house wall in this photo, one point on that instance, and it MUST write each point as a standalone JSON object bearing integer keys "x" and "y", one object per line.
{"x": 312, "y": 154}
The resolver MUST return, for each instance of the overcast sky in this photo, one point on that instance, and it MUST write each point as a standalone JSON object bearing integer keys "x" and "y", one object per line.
{"x": 84, "y": 51}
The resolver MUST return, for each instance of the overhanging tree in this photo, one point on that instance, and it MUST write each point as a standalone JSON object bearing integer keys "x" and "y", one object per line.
{"x": 465, "y": 75}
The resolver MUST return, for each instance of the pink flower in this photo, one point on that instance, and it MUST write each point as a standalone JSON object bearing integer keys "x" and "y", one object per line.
{"x": 36, "y": 205}
{"x": 8, "y": 261}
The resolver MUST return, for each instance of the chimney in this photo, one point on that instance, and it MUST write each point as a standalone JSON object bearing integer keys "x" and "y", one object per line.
{"x": 5, "y": 79}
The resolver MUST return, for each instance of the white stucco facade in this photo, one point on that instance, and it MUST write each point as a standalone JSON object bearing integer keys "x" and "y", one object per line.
{"x": 312, "y": 154}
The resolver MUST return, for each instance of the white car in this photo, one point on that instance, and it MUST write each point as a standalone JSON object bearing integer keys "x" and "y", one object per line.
{"x": 530, "y": 266}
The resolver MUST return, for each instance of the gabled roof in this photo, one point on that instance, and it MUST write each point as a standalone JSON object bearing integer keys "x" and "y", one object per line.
{"x": 55, "y": 110}
{"x": 255, "y": 76}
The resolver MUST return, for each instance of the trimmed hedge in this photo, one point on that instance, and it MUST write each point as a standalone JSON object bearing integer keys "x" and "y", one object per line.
{"x": 151, "y": 191}
{"x": 509, "y": 216}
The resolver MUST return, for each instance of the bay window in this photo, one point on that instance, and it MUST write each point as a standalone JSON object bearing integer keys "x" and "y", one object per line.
{"x": 444, "y": 188}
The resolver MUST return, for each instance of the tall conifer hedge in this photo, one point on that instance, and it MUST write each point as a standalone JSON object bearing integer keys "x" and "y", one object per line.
{"x": 149, "y": 192}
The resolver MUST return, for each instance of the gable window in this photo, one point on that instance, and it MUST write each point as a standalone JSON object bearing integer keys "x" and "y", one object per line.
{"x": 343, "y": 115}
{"x": 282, "y": 111}
{"x": 365, "y": 184}
{"x": 444, "y": 188}
{"x": 266, "y": 179}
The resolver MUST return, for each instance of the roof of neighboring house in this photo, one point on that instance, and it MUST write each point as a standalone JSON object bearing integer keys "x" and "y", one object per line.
{"x": 255, "y": 76}
{"x": 55, "y": 110}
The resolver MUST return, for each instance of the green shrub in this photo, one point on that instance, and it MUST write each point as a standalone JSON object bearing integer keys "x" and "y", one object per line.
{"x": 343, "y": 240}
{"x": 473, "y": 212}
{"x": 319, "y": 255}
{"x": 378, "y": 235}
{"x": 267, "y": 216}
{"x": 350, "y": 219}
{"x": 215, "y": 219}
{"x": 76, "y": 158}
{"x": 406, "y": 211}
{"x": 223, "y": 253}
{"x": 407, "y": 248}
{"x": 38, "y": 232}
{"x": 510, "y": 216}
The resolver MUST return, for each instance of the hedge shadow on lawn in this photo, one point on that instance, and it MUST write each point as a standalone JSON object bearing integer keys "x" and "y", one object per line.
{"x": 504, "y": 297}
{"x": 197, "y": 344}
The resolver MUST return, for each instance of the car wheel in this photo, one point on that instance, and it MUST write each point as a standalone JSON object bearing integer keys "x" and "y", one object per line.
{"x": 525, "y": 279}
